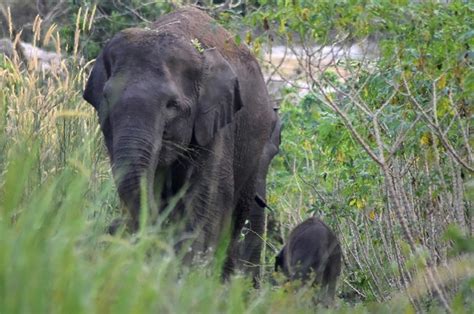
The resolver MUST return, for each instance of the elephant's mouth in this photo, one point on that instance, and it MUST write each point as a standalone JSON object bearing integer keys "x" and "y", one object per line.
{"x": 169, "y": 182}
{"x": 172, "y": 151}
{"x": 162, "y": 189}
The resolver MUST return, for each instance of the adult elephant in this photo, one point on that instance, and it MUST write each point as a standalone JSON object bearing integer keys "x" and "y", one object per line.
{"x": 185, "y": 110}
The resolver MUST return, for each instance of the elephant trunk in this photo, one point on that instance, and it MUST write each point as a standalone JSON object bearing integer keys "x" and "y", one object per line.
{"x": 135, "y": 158}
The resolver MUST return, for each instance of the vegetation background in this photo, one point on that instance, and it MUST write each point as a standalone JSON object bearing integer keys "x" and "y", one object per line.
{"x": 376, "y": 101}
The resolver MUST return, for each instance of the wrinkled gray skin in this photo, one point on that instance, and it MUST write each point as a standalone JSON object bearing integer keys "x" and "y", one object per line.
{"x": 313, "y": 255}
{"x": 182, "y": 106}
{"x": 252, "y": 245}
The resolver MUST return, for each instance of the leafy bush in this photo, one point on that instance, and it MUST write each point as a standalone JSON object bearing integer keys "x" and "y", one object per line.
{"x": 376, "y": 133}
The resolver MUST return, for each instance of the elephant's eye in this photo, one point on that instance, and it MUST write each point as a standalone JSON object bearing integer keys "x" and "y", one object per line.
{"x": 172, "y": 104}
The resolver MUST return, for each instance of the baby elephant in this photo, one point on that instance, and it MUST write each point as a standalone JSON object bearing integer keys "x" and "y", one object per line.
{"x": 313, "y": 255}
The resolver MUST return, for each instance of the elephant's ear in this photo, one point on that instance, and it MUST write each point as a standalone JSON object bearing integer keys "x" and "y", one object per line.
{"x": 219, "y": 97}
{"x": 95, "y": 84}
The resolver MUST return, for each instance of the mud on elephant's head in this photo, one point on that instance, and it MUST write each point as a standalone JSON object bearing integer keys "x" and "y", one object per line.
{"x": 156, "y": 94}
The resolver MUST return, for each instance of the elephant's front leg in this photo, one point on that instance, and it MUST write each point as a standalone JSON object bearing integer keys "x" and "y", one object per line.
{"x": 209, "y": 203}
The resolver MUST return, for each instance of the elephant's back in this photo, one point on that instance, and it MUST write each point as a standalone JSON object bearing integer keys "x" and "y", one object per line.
{"x": 194, "y": 24}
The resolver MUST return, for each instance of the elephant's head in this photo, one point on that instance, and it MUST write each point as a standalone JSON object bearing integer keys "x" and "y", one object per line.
{"x": 156, "y": 94}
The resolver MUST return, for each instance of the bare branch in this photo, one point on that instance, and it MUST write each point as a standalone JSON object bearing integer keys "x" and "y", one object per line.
{"x": 436, "y": 128}
{"x": 349, "y": 125}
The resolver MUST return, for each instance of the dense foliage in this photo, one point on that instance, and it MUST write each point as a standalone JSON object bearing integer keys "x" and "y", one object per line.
{"x": 381, "y": 141}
